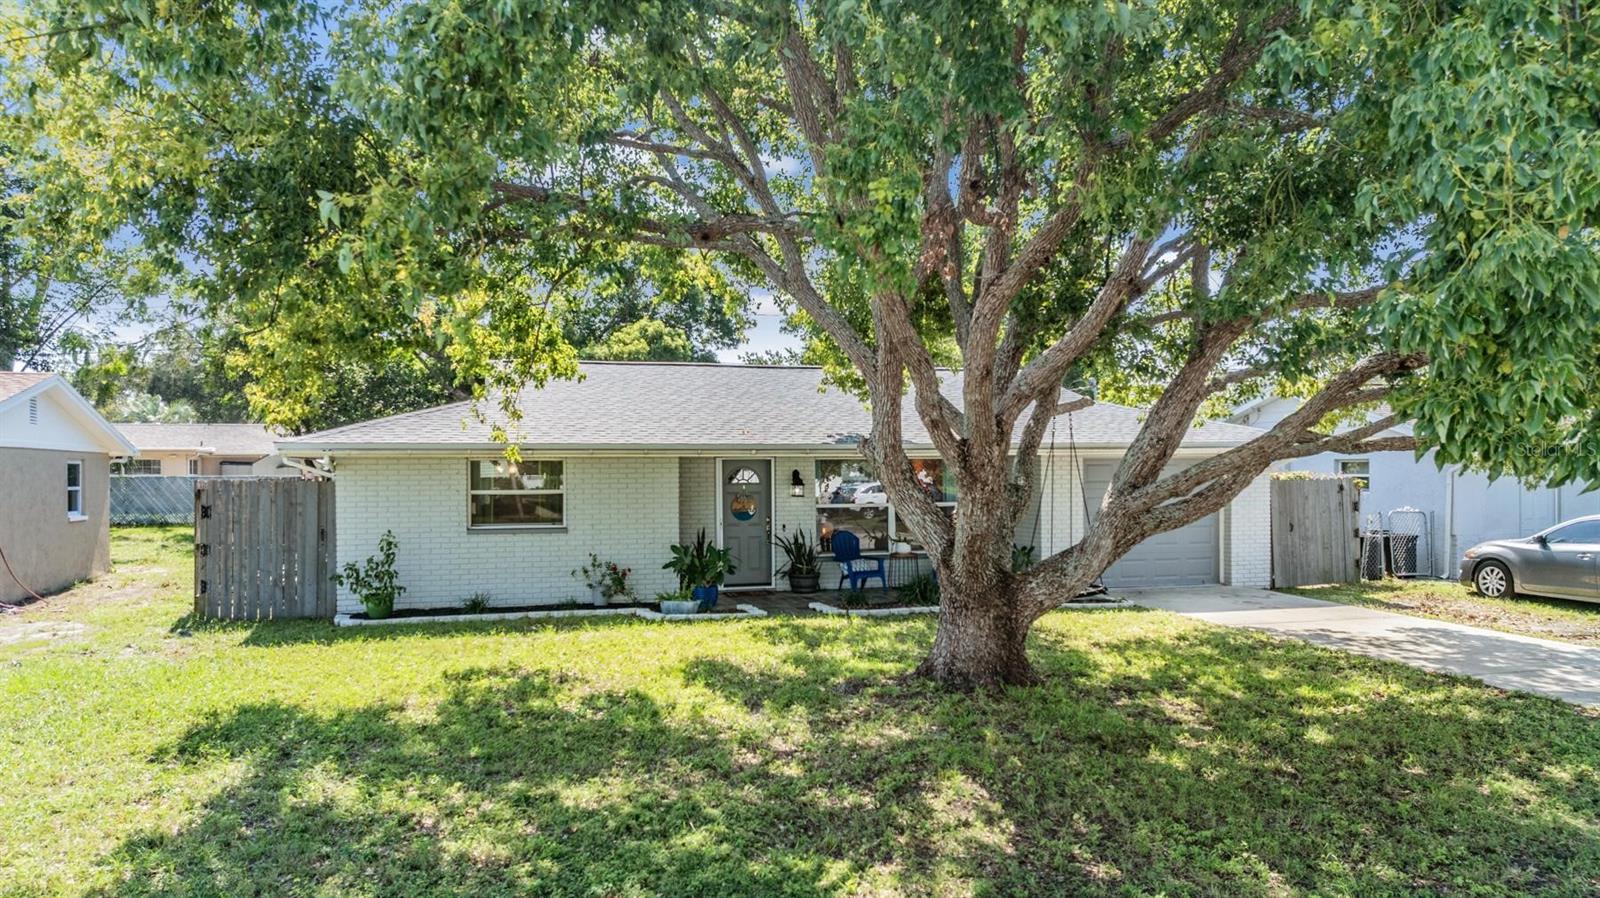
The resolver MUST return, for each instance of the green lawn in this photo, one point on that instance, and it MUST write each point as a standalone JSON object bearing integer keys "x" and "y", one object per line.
{"x": 779, "y": 757}
{"x": 1447, "y": 600}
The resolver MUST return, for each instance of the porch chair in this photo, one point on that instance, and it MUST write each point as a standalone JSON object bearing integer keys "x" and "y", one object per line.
{"x": 852, "y": 566}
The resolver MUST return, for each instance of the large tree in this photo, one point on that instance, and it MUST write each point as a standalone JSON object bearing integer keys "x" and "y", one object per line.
{"x": 1382, "y": 203}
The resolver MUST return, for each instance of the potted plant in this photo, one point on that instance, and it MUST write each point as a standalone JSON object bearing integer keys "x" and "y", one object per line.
{"x": 606, "y": 580}
{"x": 375, "y": 583}
{"x": 680, "y": 602}
{"x": 701, "y": 567}
{"x": 803, "y": 566}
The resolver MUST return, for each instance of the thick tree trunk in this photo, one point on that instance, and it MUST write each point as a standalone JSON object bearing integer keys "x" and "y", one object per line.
{"x": 980, "y": 644}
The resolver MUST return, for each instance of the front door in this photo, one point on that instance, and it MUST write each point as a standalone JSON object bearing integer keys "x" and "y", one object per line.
{"x": 747, "y": 519}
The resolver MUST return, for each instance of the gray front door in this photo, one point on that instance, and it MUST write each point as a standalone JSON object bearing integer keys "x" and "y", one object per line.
{"x": 747, "y": 519}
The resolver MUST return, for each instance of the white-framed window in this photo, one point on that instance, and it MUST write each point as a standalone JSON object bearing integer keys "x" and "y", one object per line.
{"x": 850, "y": 497}
{"x": 1359, "y": 468}
{"x": 503, "y": 494}
{"x": 194, "y": 467}
{"x": 138, "y": 467}
{"x": 75, "y": 491}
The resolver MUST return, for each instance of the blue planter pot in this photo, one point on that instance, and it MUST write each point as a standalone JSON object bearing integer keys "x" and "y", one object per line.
{"x": 706, "y": 596}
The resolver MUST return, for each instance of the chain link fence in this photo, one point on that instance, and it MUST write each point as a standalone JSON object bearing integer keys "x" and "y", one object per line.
{"x": 1409, "y": 543}
{"x": 1399, "y": 543}
{"x": 139, "y": 499}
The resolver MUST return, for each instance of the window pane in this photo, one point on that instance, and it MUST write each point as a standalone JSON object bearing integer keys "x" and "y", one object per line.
{"x": 869, "y": 523}
{"x": 1581, "y": 532}
{"x": 74, "y": 472}
{"x": 140, "y": 467}
{"x": 1355, "y": 467}
{"x": 904, "y": 533}
{"x": 503, "y": 474}
{"x": 504, "y": 509}
{"x": 838, "y": 480}
{"x": 930, "y": 474}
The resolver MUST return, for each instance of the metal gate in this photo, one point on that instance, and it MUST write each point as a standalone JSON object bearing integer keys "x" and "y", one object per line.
{"x": 1410, "y": 543}
{"x": 264, "y": 548}
{"x": 1400, "y": 543}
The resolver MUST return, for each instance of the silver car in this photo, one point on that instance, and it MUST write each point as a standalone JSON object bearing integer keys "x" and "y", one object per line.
{"x": 1563, "y": 562}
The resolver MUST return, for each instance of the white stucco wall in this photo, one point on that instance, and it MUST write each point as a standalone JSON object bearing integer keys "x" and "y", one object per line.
{"x": 623, "y": 508}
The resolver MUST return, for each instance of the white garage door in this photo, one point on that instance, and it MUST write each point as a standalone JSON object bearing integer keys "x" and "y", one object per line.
{"x": 1183, "y": 557}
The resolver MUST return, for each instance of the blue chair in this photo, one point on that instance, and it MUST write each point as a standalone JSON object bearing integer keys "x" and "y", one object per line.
{"x": 853, "y": 567}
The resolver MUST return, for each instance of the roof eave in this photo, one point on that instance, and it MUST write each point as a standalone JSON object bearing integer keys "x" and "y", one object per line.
{"x": 301, "y": 449}
{"x": 112, "y": 439}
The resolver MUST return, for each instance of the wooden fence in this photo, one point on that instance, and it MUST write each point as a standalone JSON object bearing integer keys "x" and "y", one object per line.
{"x": 264, "y": 548}
{"x": 1315, "y": 531}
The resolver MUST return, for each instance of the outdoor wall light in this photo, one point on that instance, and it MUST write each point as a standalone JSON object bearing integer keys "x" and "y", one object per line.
{"x": 797, "y": 487}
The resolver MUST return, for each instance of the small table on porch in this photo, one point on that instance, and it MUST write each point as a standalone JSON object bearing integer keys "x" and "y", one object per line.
{"x": 903, "y": 567}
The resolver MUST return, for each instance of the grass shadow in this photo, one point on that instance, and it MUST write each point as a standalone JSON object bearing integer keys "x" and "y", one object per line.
{"x": 794, "y": 758}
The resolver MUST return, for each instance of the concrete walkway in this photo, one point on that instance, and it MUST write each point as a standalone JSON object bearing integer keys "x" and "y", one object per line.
{"x": 1541, "y": 666}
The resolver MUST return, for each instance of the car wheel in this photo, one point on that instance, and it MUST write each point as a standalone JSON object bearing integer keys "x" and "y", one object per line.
{"x": 1492, "y": 579}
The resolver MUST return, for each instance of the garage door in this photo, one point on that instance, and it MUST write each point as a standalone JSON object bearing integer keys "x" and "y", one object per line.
{"x": 1183, "y": 557}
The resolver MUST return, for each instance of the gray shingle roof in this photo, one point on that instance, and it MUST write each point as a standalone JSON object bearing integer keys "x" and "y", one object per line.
{"x": 14, "y": 382}
{"x": 221, "y": 439}
{"x": 685, "y": 405}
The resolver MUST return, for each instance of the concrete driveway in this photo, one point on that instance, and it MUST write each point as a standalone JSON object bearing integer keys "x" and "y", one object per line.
{"x": 1541, "y": 666}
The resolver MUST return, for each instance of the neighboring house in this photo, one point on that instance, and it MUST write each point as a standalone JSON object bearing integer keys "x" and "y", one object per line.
{"x": 1463, "y": 508}
{"x": 227, "y": 450}
{"x": 637, "y": 456}
{"x": 55, "y": 453}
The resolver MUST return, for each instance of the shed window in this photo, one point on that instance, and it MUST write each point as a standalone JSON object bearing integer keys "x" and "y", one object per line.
{"x": 75, "y": 491}
{"x": 527, "y": 493}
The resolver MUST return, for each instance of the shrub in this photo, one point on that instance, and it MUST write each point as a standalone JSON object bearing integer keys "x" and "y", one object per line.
{"x": 478, "y": 604}
{"x": 920, "y": 590}
{"x": 801, "y": 553}
{"x": 700, "y": 563}
{"x": 610, "y": 577}
{"x": 374, "y": 583}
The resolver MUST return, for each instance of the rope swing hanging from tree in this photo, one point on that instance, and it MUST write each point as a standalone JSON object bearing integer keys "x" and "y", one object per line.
{"x": 1095, "y": 587}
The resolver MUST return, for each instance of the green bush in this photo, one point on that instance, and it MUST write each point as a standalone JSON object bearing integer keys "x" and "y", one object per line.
{"x": 920, "y": 590}
{"x": 801, "y": 552}
{"x": 375, "y": 583}
{"x": 700, "y": 563}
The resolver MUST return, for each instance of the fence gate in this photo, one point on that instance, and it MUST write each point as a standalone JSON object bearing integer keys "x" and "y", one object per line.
{"x": 263, "y": 548}
{"x": 1315, "y": 532}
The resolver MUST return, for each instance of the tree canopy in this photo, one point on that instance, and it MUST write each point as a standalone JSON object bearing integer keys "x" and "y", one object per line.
{"x": 1183, "y": 202}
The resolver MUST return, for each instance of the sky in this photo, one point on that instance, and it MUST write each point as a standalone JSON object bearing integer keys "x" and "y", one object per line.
{"x": 766, "y": 331}
{"x": 765, "y": 335}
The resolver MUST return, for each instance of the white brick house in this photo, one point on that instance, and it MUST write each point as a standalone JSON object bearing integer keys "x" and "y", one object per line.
{"x": 637, "y": 456}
